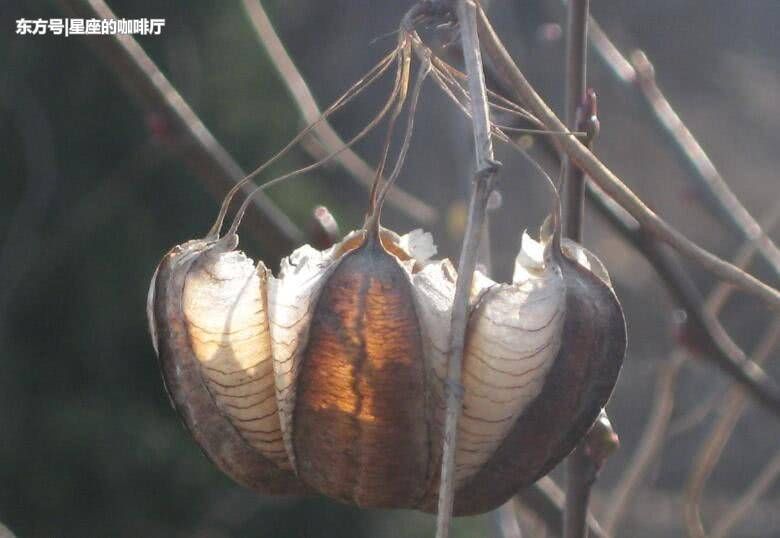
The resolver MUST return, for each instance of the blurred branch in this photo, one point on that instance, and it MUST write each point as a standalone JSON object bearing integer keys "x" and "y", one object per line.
{"x": 719, "y": 296}
{"x": 606, "y": 179}
{"x": 650, "y": 443}
{"x": 484, "y": 181}
{"x": 640, "y": 75}
{"x": 721, "y": 349}
{"x": 739, "y": 509}
{"x": 712, "y": 448}
{"x": 326, "y": 135}
{"x": 504, "y": 521}
{"x": 208, "y": 159}
{"x": 546, "y": 499}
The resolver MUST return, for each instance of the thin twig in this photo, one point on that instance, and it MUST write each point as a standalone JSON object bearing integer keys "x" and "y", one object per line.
{"x": 484, "y": 181}
{"x": 650, "y": 444}
{"x": 208, "y": 159}
{"x": 575, "y": 94}
{"x": 739, "y": 509}
{"x": 581, "y": 471}
{"x": 711, "y": 449}
{"x": 324, "y": 131}
{"x": 721, "y": 349}
{"x": 717, "y": 299}
{"x": 639, "y": 74}
{"x": 504, "y": 521}
{"x": 607, "y": 180}
{"x": 546, "y": 499}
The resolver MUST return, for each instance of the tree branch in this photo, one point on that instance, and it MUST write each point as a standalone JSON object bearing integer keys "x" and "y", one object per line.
{"x": 326, "y": 135}
{"x": 650, "y": 444}
{"x": 607, "y": 180}
{"x": 711, "y": 449}
{"x": 546, "y": 499}
{"x": 639, "y": 75}
{"x": 581, "y": 467}
{"x": 721, "y": 349}
{"x": 207, "y": 158}
{"x": 484, "y": 181}
{"x": 739, "y": 509}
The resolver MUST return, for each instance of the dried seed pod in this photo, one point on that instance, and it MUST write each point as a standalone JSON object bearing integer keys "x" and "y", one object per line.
{"x": 578, "y": 384}
{"x": 328, "y": 378}
{"x": 207, "y": 365}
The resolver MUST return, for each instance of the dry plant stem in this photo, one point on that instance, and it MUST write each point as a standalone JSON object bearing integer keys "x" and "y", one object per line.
{"x": 580, "y": 470}
{"x": 607, "y": 180}
{"x": 484, "y": 180}
{"x": 575, "y": 95}
{"x": 723, "y": 291}
{"x": 711, "y": 449}
{"x": 742, "y": 506}
{"x": 650, "y": 444}
{"x": 640, "y": 75}
{"x": 724, "y": 352}
{"x": 546, "y": 499}
{"x": 325, "y": 133}
{"x": 504, "y": 521}
{"x": 208, "y": 159}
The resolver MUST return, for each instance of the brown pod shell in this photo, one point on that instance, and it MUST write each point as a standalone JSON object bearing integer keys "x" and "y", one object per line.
{"x": 360, "y": 429}
{"x": 577, "y": 387}
{"x": 213, "y": 429}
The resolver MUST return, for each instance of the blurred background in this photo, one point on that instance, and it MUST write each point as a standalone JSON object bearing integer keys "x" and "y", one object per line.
{"x": 95, "y": 191}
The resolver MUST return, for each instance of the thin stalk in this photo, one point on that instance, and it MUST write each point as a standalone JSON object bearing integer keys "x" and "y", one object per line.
{"x": 575, "y": 95}
{"x": 581, "y": 471}
{"x": 484, "y": 181}
{"x": 607, "y": 180}
{"x": 711, "y": 449}
{"x": 325, "y": 133}
{"x": 650, "y": 444}
{"x": 739, "y": 509}
{"x": 640, "y": 76}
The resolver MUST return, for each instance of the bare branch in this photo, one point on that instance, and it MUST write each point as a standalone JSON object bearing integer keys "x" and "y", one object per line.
{"x": 639, "y": 75}
{"x": 721, "y": 349}
{"x": 504, "y": 521}
{"x": 581, "y": 467}
{"x": 650, "y": 444}
{"x": 575, "y": 96}
{"x": 607, "y": 180}
{"x": 711, "y": 449}
{"x": 742, "y": 506}
{"x": 325, "y": 133}
{"x": 208, "y": 159}
{"x": 484, "y": 180}
{"x": 717, "y": 299}
{"x": 546, "y": 499}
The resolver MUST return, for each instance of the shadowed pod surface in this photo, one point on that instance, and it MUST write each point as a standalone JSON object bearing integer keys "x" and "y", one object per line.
{"x": 328, "y": 378}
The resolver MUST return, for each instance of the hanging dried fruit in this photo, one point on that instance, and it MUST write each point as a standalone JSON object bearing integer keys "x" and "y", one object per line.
{"x": 328, "y": 377}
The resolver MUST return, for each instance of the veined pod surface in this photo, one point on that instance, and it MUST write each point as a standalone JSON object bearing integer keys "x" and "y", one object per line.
{"x": 328, "y": 378}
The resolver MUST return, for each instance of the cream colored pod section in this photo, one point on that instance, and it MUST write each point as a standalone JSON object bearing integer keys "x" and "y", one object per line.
{"x": 513, "y": 337}
{"x": 225, "y": 305}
